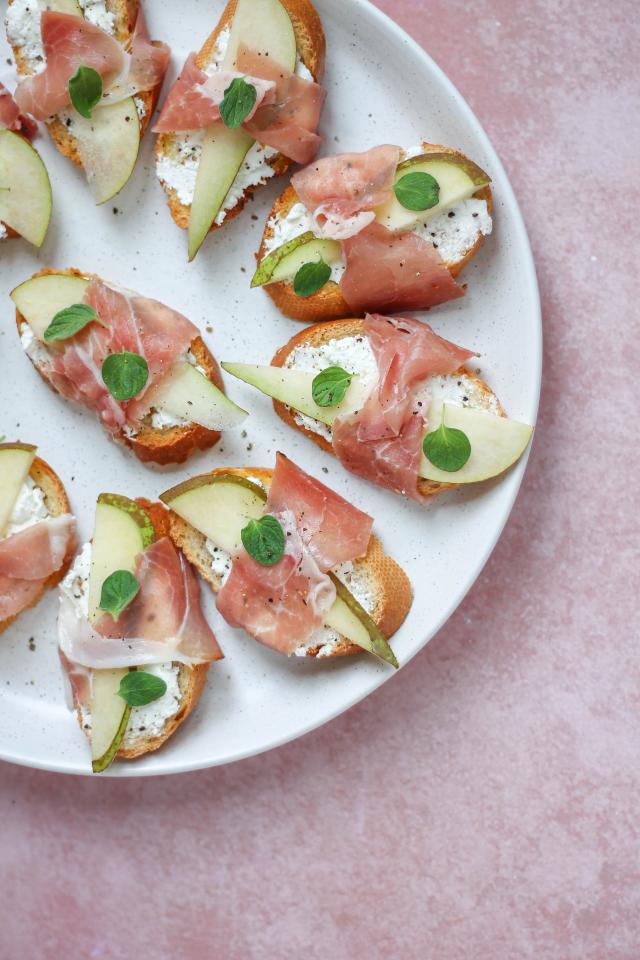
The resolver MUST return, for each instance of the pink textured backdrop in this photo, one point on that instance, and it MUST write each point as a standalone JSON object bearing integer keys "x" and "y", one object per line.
{"x": 485, "y": 803}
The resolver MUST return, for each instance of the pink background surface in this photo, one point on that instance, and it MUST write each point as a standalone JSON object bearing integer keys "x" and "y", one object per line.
{"x": 485, "y": 803}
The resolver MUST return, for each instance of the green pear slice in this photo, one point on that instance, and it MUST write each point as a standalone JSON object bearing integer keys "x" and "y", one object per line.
{"x": 122, "y": 531}
{"x": 186, "y": 394}
{"x": 40, "y": 298}
{"x": 458, "y": 179}
{"x": 15, "y": 463}
{"x": 25, "y": 189}
{"x": 108, "y": 145}
{"x": 220, "y": 505}
{"x": 266, "y": 28}
{"x": 294, "y": 387}
{"x": 71, "y": 7}
{"x": 223, "y": 151}
{"x": 496, "y": 443}
{"x": 109, "y": 717}
{"x": 284, "y": 262}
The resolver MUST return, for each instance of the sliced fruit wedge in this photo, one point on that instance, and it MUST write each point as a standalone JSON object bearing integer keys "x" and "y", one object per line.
{"x": 122, "y": 531}
{"x": 265, "y": 27}
{"x": 220, "y": 505}
{"x": 187, "y": 394}
{"x": 284, "y": 262}
{"x": 25, "y": 189}
{"x": 109, "y": 717}
{"x": 108, "y": 144}
{"x": 496, "y": 443}
{"x": 66, "y": 6}
{"x": 294, "y": 387}
{"x": 458, "y": 179}
{"x": 15, "y": 463}
{"x": 40, "y": 298}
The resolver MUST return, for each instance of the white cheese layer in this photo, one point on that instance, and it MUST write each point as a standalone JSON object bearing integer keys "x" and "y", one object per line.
{"x": 3, "y": 232}
{"x": 28, "y": 509}
{"x": 144, "y": 722}
{"x": 95, "y": 11}
{"x": 23, "y": 27}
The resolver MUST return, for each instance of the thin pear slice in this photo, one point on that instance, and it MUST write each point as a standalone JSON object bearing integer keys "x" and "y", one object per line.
{"x": 496, "y": 443}
{"x": 264, "y": 26}
{"x": 284, "y": 262}
{"x": 15, "y": 463}
{"x": 187, "y": 394}
{"x": 40, "y": 298}
{"x": 294, "y": 387}
{"x": 223, "y": 151}
{"x": 109, "y": 717}
{"x": 122, "y": 531}
{"x": 25, "y": 189}
{"x": 350, "y": 619}
{"x": 108, "y": 144}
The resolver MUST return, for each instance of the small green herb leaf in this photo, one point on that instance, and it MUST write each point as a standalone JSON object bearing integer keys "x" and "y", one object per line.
{"x": 85, "y": 90}
{"x": 263, "y": 540}
{"x": 417, "y": 191}
{"x": 329, "y": 387}
{"x": 238, "y": 102}
{"x": 137, "y": 688}
{"x": 125, "y": 374}
{"x": 311, "y": 277}
{"x": 447, "y": 448}
{"x": 118, "y": 591}
{"x": 70, "y": 321}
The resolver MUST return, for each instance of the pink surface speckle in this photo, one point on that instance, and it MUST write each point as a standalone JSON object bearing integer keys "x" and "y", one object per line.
{"x": 485, "y": 804}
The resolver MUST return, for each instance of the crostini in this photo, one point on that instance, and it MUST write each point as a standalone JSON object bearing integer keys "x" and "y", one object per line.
{"x": 393, "y": 401}
{"x": 385, "y": 230}
{"x": 133, "y": 641}
{"x": 37, "y": 530}
{"x": 244, "y": 108}
{"x": 142, "y": 367}
{"x": 25, "y": 188}
{"x": 291, "y": 562}
{"x": 93, "y": 75}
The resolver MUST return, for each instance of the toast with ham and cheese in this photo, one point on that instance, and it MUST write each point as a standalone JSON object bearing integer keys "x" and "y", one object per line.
{"x": 42, "y": 499}
{"x": 453, "y": 232}
{"x": 178, "y": 153}
{"x": 148, "y": 727}
{"x": 71, "y": 367}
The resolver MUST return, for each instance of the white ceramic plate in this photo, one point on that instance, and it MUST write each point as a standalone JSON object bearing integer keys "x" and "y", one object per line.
{"x": 382, "y": 88}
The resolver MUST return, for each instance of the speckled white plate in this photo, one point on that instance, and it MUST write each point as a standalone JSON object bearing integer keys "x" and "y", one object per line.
{"x": 382, "y": 88}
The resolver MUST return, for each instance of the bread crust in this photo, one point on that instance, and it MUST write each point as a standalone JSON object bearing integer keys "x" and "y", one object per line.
{"x": 321, "y": 333}
{"x": 392, "y": 586}
{"x": 57, "y": 503}
{"x": 328, "y": 303}
{"x": 170, "y": 445}
{"x": 311, "y": 45}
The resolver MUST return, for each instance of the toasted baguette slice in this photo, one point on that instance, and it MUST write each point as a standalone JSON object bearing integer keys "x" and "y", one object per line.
{"x": 328, "y": 303}
{"x": 171, "y": 444}
{"x": 320, "y": 333}
{"x": 57, "y": 503}
{"x": 311, "y": 45}
{"x": 191, "y": 679}
{"x": 125, "y": 13}
{"x": 385, "y": 579}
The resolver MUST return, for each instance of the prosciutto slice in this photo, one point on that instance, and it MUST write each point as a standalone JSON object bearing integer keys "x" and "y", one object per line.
{"x": 12, "y": 119}
{"x": 164, "y": 623}
{"x": 28, "y": 558}
{"x": 388, "y": 272}
{"x": 134, "y": 323}
{"x": 343, "y": 191}
{"x": 381, "y": 442}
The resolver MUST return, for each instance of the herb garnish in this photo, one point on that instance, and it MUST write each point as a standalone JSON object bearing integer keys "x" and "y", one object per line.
{"x": 447, "y": 448}
{"x": 85, "y": 90}
{"x": 417, "y": 191}
{"x": 330, "y": 385}
{"x": 263, "y": 540}
{"x": 125, "y": 374}
{"x": 66, "y": 323}
{"x": 238, "y": 102}
{"x": 311, "y": 277}
{"x": 118, "y": 591}
{"x": 137, "y": 688}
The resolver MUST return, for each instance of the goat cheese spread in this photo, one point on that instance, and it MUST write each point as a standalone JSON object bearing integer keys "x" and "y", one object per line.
{"x": 28, "y": 509}
{"x": 95, "y": 11}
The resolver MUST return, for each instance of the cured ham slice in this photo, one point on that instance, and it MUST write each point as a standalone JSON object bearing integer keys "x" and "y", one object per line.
{"x": 389, "y": 272}
{"x": 195, "y": 98}
{"x": 68, "y": 42}
{"x": 28, "y": 558}
{"x": 133, "y": 323}
{"x": 342, "y": 191}
{"x": 164, "y": 623}
{"x": 12, "y": 119}
{"x": 332, "y": 529}
{"x": 149, "y": 58}
{"x": 280, "y": 606}
{"x": 382, "y": 441}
